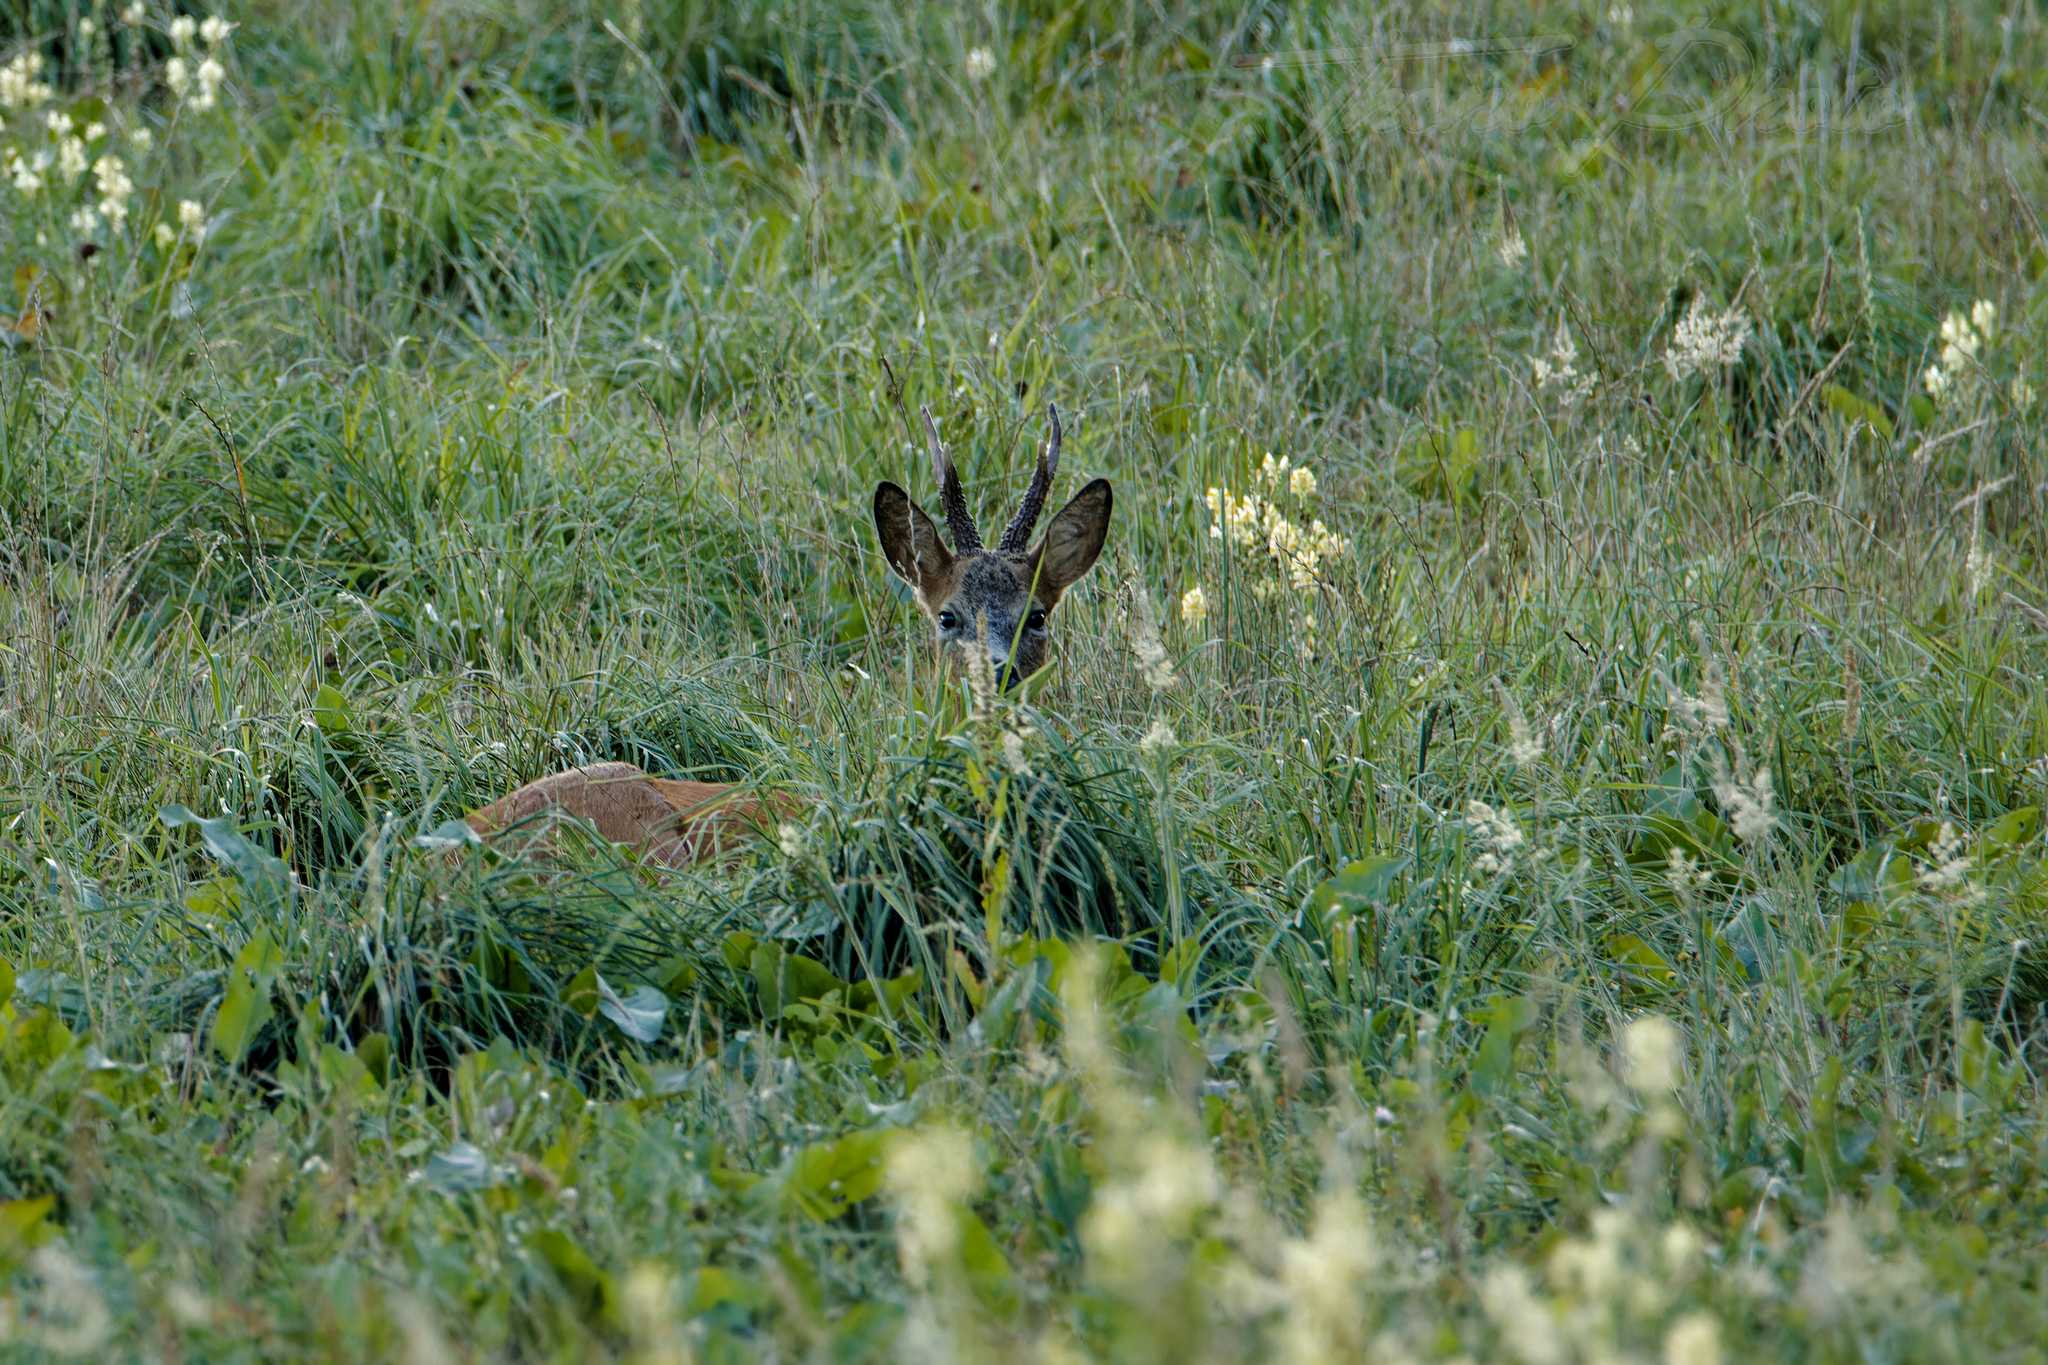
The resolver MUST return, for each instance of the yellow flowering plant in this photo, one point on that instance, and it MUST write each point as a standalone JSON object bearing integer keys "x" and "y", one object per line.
{"x": 1286, "y": 549}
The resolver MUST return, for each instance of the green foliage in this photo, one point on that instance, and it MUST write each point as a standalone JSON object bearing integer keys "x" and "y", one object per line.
{"x": 1594, "y": 906}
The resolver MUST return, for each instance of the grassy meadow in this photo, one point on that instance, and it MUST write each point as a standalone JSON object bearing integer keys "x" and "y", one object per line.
{"x": 1531, "y": 848}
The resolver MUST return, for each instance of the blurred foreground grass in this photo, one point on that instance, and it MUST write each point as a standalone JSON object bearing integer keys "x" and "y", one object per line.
{"x": 1586, "y": 901}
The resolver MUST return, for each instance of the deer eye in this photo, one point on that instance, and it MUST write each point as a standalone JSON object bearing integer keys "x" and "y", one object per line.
{"x": 1035, "y": 621}
{"x": 949, "y": 622}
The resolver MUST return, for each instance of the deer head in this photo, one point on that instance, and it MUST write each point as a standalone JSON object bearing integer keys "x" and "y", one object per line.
{"x": 995, "y": 601}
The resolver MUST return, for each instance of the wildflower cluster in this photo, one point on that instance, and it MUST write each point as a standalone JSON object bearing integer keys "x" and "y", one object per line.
{"x": 1289, "y": 549}
{"x": 195, "y": 77}
{"x": 76, "y": 164}
{"x": 1705, "y": 342}
{"x": 1154, "y": 664}
{"x": 1747, "y": 801}
{"x": 1557, "y": 373}
{"x": 1498, "y": 837}
{"x": 1180, "y": 1259}
{"x": 1965, "y": 367}
{"x": 1948, "y": 859}
{"x": 1690, "y": 719}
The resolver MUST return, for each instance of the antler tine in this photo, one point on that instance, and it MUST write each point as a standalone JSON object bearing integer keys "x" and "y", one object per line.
{"x": 966, "y": 536}
{"x": 1017, "y": 535}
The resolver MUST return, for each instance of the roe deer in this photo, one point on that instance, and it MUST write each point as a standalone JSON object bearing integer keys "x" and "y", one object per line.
{"x": 994, "y": 601}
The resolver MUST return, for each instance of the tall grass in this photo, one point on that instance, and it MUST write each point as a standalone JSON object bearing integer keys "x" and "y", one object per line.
{"x": 521, "y": 407}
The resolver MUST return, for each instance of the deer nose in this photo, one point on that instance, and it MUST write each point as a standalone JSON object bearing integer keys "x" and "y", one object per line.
{"x": 1007, "y": 675}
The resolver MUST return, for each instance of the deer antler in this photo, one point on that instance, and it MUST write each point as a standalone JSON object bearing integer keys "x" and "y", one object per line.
{"x": 1017, "y": 535}
{"x": 965, "y": 535}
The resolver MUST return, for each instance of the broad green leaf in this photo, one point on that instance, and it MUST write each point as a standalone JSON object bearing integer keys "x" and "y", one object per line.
{"x": 245, "y": 1006}
{"x": 1357, "y": 888}
{"x": 1872, "y": 875}
{"x": 826, "y": 1179}
{"x": 24, "y": 1224}
{"x": 216, "y": 897}
{"x": 737, "y": 948}
{"x": 783, "y": 978}
{"x": 462, "y": 1167}
{"x": 449, "y": 834}
{"x": 1629, "y": 950}
{"x": 572, "y": 1265}
{"x": 331, "y": 710}
{"x": 229, "y": 845}
{"x": 639, "y": 1014}
{"x": 715, "y": 1286}
{"x": 2009, "y": 832}
{"x": 375, "y": 1052}
{"x": 581, "y": 994}
{"x": 988, "y": 1271}
{"x": 1856, "y": 408}
{"x": 1506, "y": 1020}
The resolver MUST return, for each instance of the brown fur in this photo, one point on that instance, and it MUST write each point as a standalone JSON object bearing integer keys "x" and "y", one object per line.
{"x": 670, "y": 822}
{"x": 994, "y": 602}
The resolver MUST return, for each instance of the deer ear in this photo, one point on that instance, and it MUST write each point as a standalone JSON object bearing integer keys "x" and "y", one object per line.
{"x": 910, "y": 542}
{"x": 1072, "y": 540}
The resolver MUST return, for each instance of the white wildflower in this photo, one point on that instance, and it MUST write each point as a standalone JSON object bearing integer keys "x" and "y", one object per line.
{"x": 1194, "y": 606}
{"x": 71, "y": 1316}
{"x": 215, "y": 30}
{"x": 1748, "y": 805}
{"x": 981, "y": 64}
{"x": 182, "y": 30}
{"x": 1558, "y": 372}
{"x": 1499, "y": 838}
{"x": 211, "y": 74}
{"x": 1523, "y": 746}
{"x": 1153, "y": 663}
{"x": 1686, "y": 876}
{"x": 71, "y": 159}
{"x": 1705, "y": 341}
{"x": 115, "y": 187}
{"x": 1964, "y": 339}
{"x": 1691, "y": 718}
{"x": 1527, "y": 1327}
{"x": 1302, "y": 482}
{"x": 1948, "y": 853}
{"x": 19, "y": 86}
{"x": 1694, "y": 1339}
{"x": 1652, "y": 1052}
{"x": 1158, "y": 740}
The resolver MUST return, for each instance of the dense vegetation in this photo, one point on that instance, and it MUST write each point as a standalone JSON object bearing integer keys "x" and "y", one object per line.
{"x": 1532, "y": 849}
